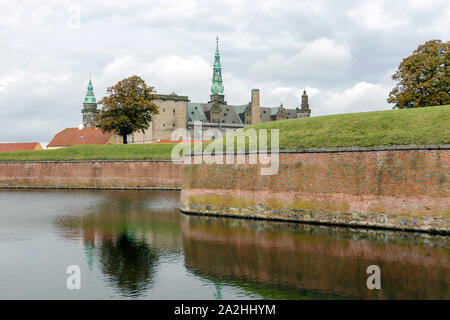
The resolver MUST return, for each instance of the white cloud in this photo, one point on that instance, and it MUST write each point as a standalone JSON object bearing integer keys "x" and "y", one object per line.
{"x": 373, "y": 16}
{"x": 421, "y": 5}
{"x": 361, "y": 97}
{"x": 9, "y": 78}
{"x": 184, "y": 75}
{"x": 32, "y": 17}
{"x": 322, "y": 57}
{"x": 439, "y": 27}
{"x": 342, "y": 52}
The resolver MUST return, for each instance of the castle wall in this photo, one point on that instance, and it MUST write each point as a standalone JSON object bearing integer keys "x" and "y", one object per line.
{"x": 379, "y": 187}
{"x": 224, "y": 128}
{"x": 140, "y": 137}
{"x": 172, "y": 115}
{"x": 124, "y": 174}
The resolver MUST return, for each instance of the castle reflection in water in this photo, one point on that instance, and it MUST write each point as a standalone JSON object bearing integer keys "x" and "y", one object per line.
{"x": 130, "y": 231}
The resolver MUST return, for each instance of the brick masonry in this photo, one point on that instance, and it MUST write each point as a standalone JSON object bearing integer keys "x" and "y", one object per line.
{"x": 394, "y": 188}
{"x": 404, "y": 188}
{"x": 91, "y": 174}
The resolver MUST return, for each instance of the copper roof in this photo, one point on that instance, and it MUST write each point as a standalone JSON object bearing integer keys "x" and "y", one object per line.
{"x": 75, "y": 136}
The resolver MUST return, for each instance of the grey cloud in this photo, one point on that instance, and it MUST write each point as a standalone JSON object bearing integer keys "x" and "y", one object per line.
{"x": 44, "y": 65}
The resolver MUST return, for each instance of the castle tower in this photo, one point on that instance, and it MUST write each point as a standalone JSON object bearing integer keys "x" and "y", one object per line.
{"x": 255, "y": 107}
{"x": 89, "y": 110}
{"x": 304, "y": 111}
{"x": 217, "y": 85}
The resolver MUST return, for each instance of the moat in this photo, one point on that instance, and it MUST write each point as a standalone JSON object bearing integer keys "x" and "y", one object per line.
{"x": 137, "y": 244}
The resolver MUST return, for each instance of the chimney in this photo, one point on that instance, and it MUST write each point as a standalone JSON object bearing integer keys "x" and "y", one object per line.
{"x": 256, "y": 113}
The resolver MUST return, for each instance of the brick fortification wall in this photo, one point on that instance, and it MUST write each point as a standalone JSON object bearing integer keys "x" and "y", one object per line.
{"x": 92, "y": 174}
{"x": 400, "y": 188}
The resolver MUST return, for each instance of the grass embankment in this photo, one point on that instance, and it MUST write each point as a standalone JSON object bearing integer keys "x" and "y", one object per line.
{"x": 89, "y": 152}
{"x": 421, "y": 126}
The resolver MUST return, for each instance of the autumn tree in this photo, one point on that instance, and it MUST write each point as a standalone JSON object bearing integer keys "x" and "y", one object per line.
{"x": 423, "y": 77}
{"x": 127, "y": 107}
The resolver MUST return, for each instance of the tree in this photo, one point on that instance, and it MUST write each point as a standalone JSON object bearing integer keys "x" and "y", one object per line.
{"x": 423, "y": 77}
{"x": 127, "y": 107}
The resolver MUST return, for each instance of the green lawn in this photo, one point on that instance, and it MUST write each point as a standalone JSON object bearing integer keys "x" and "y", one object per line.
{"x": 421, "y": 126}
{"x": 98, "y": 152}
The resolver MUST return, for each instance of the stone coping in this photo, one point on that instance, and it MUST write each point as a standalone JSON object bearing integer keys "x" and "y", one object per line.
{"x": 343, "y": 149}
{"x": 171, "y": 97}
{"x": 86, "y": 161}
{"x": 91, "y": 188}
{"x": 219, "y": 125}
{"x": 432, "y": 225}
{"x": 287, "y": 151}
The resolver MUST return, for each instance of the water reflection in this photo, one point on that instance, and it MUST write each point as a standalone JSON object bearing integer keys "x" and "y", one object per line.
{"x": 129, "y": 263}
{"x": 136, "y": 244}
{"x": 285, "y": 260}
{"x": 125, "y": 234}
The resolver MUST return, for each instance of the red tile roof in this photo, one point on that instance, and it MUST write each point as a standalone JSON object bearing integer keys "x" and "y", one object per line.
{"x": 75, "y": 136}
{"x": 5, "y": 147}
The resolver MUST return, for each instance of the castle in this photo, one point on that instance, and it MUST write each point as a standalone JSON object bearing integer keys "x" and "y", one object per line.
{"x": 178, "y": 112}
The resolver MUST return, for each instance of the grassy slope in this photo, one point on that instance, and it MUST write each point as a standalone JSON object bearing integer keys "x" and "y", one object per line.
{"x": 422, "y": 126}
{"x": 86, "y": 152}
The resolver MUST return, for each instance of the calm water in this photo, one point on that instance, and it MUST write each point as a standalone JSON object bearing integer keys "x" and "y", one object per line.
{"x": 136, "y": 244}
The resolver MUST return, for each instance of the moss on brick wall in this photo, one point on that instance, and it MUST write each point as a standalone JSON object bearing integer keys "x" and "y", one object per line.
{"x": 405, "y": 189}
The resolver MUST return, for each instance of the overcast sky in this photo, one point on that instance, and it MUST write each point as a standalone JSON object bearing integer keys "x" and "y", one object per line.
{"x": 342, "y": 52}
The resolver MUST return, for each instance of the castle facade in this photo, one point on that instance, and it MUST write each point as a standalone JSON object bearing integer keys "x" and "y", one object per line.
{"x": 177, "y": 111}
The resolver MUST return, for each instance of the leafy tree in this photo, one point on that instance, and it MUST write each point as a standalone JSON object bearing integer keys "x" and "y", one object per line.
{"x": 423, "y": 77}
{"x": 127, "y": 107}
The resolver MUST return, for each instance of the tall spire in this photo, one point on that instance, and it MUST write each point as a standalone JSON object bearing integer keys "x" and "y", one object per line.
{"x": 217, "y": 45}
{"x": 217, "y": 85}
{"x": 90, "y": 98}
{"x": 89, "y": 110}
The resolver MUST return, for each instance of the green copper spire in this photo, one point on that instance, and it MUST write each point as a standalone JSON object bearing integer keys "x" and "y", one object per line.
{"x": 217, "y": 86}
{"x": 90, "y": 98}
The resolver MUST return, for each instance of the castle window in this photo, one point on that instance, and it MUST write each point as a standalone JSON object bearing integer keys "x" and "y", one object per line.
{"x": 173, "y": 111}
{"x": 264, "y": 111}
{"x": 164, "y": 124}
{"x": 164, "y": 110}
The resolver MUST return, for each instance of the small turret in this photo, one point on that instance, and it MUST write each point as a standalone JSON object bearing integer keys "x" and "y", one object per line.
{"x": 304, "y": 110}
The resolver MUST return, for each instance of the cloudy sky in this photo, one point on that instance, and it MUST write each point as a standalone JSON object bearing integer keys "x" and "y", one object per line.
{"x": 342, "y": 52}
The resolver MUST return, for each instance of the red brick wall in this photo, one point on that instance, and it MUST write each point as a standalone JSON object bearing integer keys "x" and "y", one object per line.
{"x": 392, "y": 188}
{"x": 92, "y": 174}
